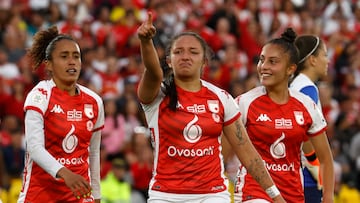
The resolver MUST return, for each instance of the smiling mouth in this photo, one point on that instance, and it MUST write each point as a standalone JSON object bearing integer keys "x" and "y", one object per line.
{"x": 265, "y": 75}
{"x": 71, "y": 71}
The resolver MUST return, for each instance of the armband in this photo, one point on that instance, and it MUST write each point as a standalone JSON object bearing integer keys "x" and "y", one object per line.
{"x": 272, "y": 191}
{"x": 311, "y": 156}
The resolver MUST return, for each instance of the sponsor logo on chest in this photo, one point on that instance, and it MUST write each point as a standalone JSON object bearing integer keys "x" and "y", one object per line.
{"x": 282, "y": 123}
{"x": 74, "y": 114}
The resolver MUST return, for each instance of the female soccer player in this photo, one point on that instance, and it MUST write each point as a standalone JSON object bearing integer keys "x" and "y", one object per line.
{"x": 186, "y": 117}
{"x": 62, "y": 127}
{"x": 278, "y": 121}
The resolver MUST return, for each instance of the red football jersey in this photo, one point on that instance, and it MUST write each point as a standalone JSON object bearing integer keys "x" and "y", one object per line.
{"x": 277, "y": 132}
{"x": 68, "y": 125}
{"x": 187, "y": 143}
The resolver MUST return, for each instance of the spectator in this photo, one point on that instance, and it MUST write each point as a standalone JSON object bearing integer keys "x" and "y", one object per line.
{"x": 8, "y": 70}
{"x": 116, "y": 188}
{"x": 139, "y": 155}
{"x": 15, "y": 102}
{"x": 13, "y": 157}
{"x": 113, "y": 134}
{"x": 108, "y": 83}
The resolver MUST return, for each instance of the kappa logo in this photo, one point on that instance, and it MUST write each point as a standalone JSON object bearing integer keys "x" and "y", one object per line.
{"x": 179, "y": 106}
{"x": 57, "y": 109}
{"x": 263, "y": 117}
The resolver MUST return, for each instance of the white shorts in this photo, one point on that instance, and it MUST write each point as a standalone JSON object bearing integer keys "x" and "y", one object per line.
{"x": 162, "y": 197}
{"x": 253, "y": 201}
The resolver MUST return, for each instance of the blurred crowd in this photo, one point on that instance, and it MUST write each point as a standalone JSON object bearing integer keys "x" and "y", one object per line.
{"x": 111, "y": 64}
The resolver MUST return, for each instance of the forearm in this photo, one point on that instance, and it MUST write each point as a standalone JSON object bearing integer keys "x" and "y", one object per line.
{"x": 328, "y": 180}
{"x": 94, "y": 159}
{"x": 35, "y": 143}
{"x": 254, "y": 164}
{"x": 251, "y": 159}
{"x": 149, "y": 56}
{"x": 324, "y": 154}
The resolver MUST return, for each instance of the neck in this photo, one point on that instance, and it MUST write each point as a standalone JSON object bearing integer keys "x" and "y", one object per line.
{"x": 310, "y": 75}
{"x": 69, "y": 88}
{"x": 278, "y": 95}
{"x": 190, "y": 85}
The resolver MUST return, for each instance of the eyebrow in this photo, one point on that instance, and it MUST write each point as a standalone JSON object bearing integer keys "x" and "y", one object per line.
{"x": 270, "y": 57}
{"x": 71, "y": 52}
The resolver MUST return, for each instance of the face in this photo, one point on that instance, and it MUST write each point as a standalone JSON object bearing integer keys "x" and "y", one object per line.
{"x": 187, "y": 57}
{"x": 322, "y": 62}
{"x": 273, "y": 67}
{"x": 65, "y": 64}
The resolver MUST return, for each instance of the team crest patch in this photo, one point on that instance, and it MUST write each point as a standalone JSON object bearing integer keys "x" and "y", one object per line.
{"x": 299, "y": 117}
{"x": 89, "y": 110}
{"x": 213, "y": 106}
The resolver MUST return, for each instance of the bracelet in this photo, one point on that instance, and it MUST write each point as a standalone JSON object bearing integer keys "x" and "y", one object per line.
{"x": 272, "y": 191}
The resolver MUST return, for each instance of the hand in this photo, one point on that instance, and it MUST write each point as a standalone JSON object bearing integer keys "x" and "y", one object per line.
{"x": 147, "y": 30}
{"x": 77, "y": 184}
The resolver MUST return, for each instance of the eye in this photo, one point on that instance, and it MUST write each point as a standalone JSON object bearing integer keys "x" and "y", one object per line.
{"x": 177, "y": 51}
{"x": 261, "y": 60}
{"x": 272, "y": 61}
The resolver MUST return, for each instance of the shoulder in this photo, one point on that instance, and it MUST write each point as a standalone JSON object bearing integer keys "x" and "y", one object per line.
{"x": 89, "y": 92}
{"x": 252, "y": 94}
{"x": 215, "y": 89}
{"x": 300, "y": 82}
{"x": 301, "y": 97}
{"x": 42, "y": 89}
{"x": 39, "y": 97}
{"x": 211, "y": 86}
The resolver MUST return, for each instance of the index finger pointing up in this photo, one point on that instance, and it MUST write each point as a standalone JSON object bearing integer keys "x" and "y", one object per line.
{"x": 149, "y": 20}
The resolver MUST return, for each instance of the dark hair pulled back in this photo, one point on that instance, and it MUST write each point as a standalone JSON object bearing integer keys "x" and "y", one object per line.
{"x": 44, "y": 43}
{"x": 286, "y": 42}
{"x": 169, "y": 81}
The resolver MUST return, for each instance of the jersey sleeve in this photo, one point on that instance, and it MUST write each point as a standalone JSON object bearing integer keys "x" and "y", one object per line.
{"x": 101, "y": 116}
{"x": 35, "y": 143}
{"x": 231, "y": 109}
{"x": 94, "y": 159}
{"x": 318, "y": 124}
{"x": 38, "y": 98}
{"x": 311, "y": 92}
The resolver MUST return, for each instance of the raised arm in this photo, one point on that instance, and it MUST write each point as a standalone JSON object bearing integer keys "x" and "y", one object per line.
{"x": 236, "y": 135}
{"x": 151, "y": 79}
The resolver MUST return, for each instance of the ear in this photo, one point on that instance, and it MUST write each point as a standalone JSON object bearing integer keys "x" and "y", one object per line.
{"x": 312, "y": 60}
{"x": 291, "y": 70}
{"x": 206, "y": 62}
{"x": 168, "y": 61}
{"x": 48, "y": 65}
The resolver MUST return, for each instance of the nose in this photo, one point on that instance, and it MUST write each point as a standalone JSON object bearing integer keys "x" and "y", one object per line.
{"x": 260, "y": 65}
{"x": 72, "y": 60}
{"x": 185, "y": 55}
